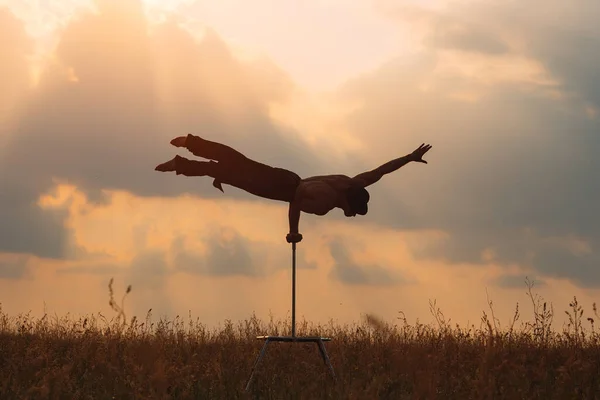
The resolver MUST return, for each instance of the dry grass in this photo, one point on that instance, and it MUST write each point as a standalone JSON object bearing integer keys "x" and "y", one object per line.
{"x": 96, "y": 358}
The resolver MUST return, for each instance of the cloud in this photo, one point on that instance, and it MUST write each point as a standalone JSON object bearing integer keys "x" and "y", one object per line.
{"x": 23, "y": 226}
{"x": 572, "y": 56}
{"x": 512, "y": 163}
{"x": 15, "y": 49}
{"x": 104, "y": 111}
{"x": 14, "y": 266}
{"x": 148, "y": 274}
{"x": 467, "y": 39}
{"x": 226, "y": 252}
{"x": 348, "y": 271}
{"x": 511, "y": 281}
{"x": 508, "y": 171}
{"x": 101, "y": 268}
{"x": 568, "y": 49}
{"x": 448, "y": 30}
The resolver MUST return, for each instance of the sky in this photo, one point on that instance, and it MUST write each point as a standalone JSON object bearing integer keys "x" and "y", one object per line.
{"x": 507, "y": 93}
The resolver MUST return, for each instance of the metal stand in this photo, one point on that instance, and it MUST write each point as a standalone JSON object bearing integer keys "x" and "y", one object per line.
{"x": 293, "y": 339}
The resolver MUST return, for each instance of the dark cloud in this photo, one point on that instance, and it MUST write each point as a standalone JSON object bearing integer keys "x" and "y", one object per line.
{"x": 301, "y": 261}
{"x": 348, "y": 271}
{"x": 506, "y": 172}
{"x": 24, "y": 226}
{"x": 229, "y": 253}
{"x": 101, "y": 268}
{"x": 564, "y": 37}
{"x": 14, "y": 266}
{"x": 223, "y": 257}
{"x": 583, "y": 269}
{"x": 104, "y": 112}
{"x": 572, "y": 56}
{"x": 515, "y": 281}
{"x": 230, "y": 256}
{"x": 147, "y": 274}
{"x": 466, "y": 38}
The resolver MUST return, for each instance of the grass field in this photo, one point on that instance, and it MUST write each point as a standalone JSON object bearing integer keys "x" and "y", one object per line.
{"x": 99, "y": 358}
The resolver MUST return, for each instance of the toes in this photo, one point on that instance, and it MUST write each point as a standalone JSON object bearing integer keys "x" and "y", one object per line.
{"x": 179, "y": 141}
{"x": 163, "y": 168}
{"x": 167, "y": 166}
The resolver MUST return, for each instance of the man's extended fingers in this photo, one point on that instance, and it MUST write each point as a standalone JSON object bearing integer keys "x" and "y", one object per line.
{"x": 424, "y": 147}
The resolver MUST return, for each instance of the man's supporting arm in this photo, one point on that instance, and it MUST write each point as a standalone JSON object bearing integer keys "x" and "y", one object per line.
{"x": 294, "y": 216}
{"x": 294, "y": 219}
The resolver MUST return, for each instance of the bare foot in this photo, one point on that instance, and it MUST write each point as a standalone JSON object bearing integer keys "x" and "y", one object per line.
{"x": 179, "y": 141}
{"x": 168, "y": 166}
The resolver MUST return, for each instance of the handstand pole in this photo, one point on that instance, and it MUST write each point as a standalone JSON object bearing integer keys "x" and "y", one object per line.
{"x": 294, "y": 339}
{"x": 294, "y": 289}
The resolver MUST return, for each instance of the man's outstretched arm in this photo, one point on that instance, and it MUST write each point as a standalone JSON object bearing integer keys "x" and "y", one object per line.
{"x": 370, "y": 177}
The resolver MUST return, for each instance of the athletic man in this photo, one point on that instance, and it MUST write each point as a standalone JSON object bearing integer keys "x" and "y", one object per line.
{"x": 316, "y": 195}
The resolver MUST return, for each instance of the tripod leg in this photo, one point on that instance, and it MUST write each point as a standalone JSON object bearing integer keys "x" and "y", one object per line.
{"x": 260, "y": 356}
{"x": 326, "y": 357}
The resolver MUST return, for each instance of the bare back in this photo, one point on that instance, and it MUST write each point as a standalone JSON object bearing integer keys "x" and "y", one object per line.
{"x": 337, "y": 182}
{"x": 320, "y": 194}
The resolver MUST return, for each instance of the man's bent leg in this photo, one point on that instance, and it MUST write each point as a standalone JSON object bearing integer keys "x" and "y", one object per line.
{"x": 183, "y": 166}
{"x": 208, "y": 149}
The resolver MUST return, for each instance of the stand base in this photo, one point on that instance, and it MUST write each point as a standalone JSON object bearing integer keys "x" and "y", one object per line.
{"x": 293, "y": 339}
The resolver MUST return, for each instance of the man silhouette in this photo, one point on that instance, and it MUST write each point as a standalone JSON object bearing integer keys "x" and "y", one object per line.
{"x": 315, "y": 195}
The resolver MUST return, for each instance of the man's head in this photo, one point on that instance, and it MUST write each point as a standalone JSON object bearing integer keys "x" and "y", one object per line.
{"x": 357, "y": 197}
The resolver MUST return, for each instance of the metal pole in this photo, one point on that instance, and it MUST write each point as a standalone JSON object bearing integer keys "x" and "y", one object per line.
{"x": 260, "y": 356}
{"x": 293, "y": 289}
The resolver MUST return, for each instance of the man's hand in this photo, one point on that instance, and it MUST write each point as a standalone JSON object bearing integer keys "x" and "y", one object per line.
{"x": 293, "y": 237}
{"x": 418, "y": 154}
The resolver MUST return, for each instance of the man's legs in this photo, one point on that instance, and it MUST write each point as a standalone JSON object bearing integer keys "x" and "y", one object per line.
{"x": 208, "y": 149}
{"x": 232, "y": 168}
